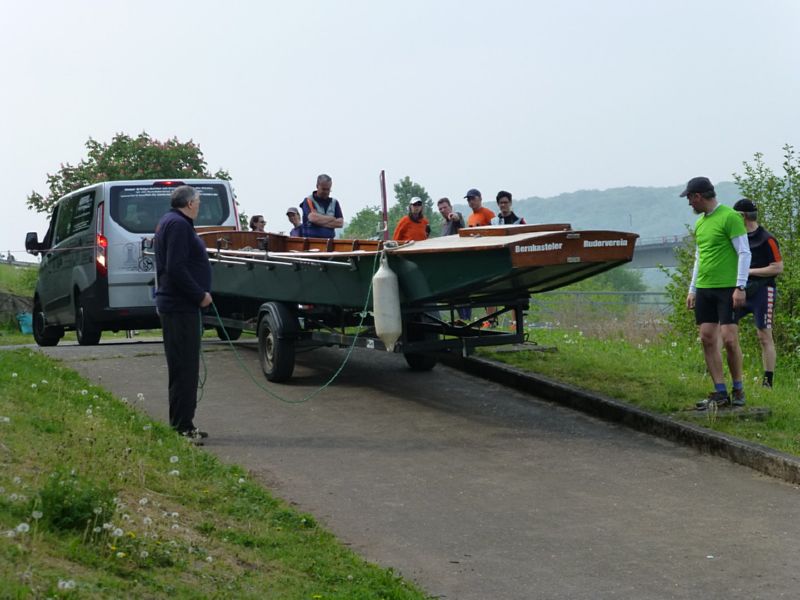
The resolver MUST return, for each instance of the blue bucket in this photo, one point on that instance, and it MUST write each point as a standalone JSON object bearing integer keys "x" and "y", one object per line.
{"x": 25, "y": 321}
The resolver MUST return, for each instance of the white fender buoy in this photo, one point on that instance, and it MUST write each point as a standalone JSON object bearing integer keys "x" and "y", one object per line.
{"x": 386, "y": 305}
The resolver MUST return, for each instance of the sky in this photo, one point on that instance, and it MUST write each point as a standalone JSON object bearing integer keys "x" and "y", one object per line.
{"x": 535, "y": 97}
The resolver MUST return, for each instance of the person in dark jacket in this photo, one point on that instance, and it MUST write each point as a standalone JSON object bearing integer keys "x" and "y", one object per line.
{"x": 183, "y": 276}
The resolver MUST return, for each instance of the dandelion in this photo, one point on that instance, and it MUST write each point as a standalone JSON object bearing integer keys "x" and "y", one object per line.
{"x": 175, "y": 526}
{"x": 66, "y": 584}
{"x": 108, "y": 526}
{"x": 147, "y": 521}
{"x": 144, "y": 554}
{"x": 97, "y": 529}
{"x": 173, "y": 459}
{"x": 117, "y": 532}
{"x": 674, "y": 344}
{"x": 84, "y": 392}
{"x": 140, "y": 396}
{"x": 12, "y": 497}
{"x": 174, "y": 515}
{"x": 88, "y": 412}
{"x": 143, "y": 502}
{"x": 13, "y": 376}
{"x": 11, "y": 533}
{"x": 5, "y": 420}
{"x": 22, "y": 498}
{"x": 23, "y": 528}
{"x": 34, "y": 386}
{"x": 44, "y": 382}
{"x": 124, "y": 400}
{"x": 121, "y": 555}
{"x": 174, "y": 472}
{"x": 147, "y": 427}
{"x": 37, "y": 514}
{"x": 241, "y": 479}
{"x": 126, "y": 517}
{"x": 209, "y": 559}
{"x": 17, "y": 480}
{"x": 95, "y": 397}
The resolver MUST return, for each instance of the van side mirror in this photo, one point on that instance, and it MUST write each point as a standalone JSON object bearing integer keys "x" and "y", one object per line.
{"x": 32, "y": 245}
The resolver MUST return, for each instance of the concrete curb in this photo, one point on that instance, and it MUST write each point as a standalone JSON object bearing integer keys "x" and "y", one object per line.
{"x": 758, "y": 457}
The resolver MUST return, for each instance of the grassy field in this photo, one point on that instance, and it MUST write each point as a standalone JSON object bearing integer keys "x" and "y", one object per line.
{"x": 18, "y": 280}
{"x": 664, "y": 376}
{"x": 98, "y": 501}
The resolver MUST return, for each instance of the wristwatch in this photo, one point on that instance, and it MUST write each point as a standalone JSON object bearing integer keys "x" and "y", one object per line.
{"x": 741, "y": 287}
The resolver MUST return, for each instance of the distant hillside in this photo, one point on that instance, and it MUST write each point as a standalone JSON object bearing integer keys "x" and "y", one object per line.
{"x": 649, "y": 211}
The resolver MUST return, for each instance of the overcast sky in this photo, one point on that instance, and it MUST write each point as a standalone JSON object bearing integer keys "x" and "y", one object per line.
{"x": 536, "y": 97}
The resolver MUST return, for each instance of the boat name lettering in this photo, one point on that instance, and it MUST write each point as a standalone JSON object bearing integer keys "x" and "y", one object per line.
{"x": 539, "y": 247}
{"x": 603, "y": 243}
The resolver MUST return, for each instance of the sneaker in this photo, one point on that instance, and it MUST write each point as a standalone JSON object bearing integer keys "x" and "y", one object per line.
{"x": 715, "y": 400}
{"x": 195, "y": 436}
{"x": 738, "y": 398}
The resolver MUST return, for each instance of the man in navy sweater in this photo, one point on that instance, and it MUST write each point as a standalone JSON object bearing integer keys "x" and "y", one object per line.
{"x": 184, "y": 279}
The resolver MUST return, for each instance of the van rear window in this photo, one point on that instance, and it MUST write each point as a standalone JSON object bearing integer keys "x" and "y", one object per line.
{"x": 138, "y": 208}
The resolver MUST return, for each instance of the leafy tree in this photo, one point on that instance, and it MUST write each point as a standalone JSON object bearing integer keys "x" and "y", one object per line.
{"x": 404, "y": 190}
{"x": 125, "y": 157}
{"x": 365, "y": 224}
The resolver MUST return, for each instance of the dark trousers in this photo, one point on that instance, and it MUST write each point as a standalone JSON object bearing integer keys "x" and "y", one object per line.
{"x": 182, "y": 333}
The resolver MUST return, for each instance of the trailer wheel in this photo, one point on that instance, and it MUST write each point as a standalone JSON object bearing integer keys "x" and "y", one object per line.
{"x": 233, "y": 334}
{"x": 276, "y": 342}
{"x": 416, "y": 360}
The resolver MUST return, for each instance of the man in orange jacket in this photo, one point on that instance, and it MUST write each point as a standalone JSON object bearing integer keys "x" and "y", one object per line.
{"x": 413, "y": 226}
{"x": 480, "y": 215}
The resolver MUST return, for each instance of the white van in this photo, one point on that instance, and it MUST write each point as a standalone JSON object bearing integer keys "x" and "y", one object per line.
{"x": 93, "y": 274}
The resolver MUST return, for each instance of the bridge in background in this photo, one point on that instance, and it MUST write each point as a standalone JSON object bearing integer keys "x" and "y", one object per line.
{"x": 653, "y": 252}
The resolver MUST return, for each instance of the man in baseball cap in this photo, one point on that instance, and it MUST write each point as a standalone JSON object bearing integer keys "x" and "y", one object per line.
{"x": 717, "y": 288}
{"x": 293, "y": 213}
{"x": 480, "y": 216}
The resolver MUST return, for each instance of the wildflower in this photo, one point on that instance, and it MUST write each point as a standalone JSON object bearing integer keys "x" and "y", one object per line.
{"x": 126, "y": 517}
{"x": 121, "y": 555}
{"x": 147, "y": 521}
{"x": 108, "y": 526}
{"x": 12, "y": 497}
{"x": 173, "y": 459}
{"x": 13, "y": 376}
{"x": 144, "y": 554}
{"x": 98, "y": 510}
{"x": 175, "y": 472}
{"x": 22, "y": 498}
{"x": 174, "y": 515}
{"x": 124, "y": 400}
{"x": 209, "y": 559}
{"x": 23, "y": 528}
{"x": 241, "y": 479}
{"x": 67, "y": 584}
{"x": 88, "y": 412}
{"x": 84, "y": 392}
{"x": 5, "y": 420}
{"x": 147, "y": 427}
{"x": 143, "y": 502}
{"x": 37, "y": 514}
{"x": 674, "y": 344}
{"x": 175, "y": 526}
{"x": 97, "y": 529}
{"x": 11, "y": 533}
{"x": 44, "y": 382}
{"x": 17, "y": 480}
{"x": 34, "y": 386}
{"x": 117, "y": 532}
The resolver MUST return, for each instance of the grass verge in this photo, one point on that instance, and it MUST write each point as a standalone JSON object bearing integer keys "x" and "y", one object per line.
{"x": 663, "y": 376}
{"x": 97, "y": 500}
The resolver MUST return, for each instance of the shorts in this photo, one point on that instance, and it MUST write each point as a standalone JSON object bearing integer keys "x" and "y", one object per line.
{"x": 762, "y": 304}
{"x": 714, "y": 305}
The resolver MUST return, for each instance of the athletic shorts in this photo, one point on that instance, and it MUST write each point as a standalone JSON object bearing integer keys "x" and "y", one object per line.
{"x": 762, "y": 304}
{"x": 714, "y": 305}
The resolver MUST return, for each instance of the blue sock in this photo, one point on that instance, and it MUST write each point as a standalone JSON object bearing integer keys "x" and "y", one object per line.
{"x": 721, "y": 387}
{"x": 737, "y": 385}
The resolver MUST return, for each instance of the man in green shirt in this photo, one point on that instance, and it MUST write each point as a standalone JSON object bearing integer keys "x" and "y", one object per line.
{"x": 717, "y": 289}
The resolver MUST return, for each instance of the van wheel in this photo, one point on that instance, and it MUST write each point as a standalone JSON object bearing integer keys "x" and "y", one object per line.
{"x": 275, "y": 343}
{"x": 233, "y": 334}
{"x": 42, "y": 334}
{"x": 87, "y": 332}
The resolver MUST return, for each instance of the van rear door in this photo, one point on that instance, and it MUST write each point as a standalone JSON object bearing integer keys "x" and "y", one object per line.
{"x": 133, "y": 214}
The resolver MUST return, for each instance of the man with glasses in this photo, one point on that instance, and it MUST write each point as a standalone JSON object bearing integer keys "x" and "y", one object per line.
{"x": 766, "y": 263}
{"x": 183, "y": 275}
{"x": 717, "y": 288}
{"x": 506, "y": 216}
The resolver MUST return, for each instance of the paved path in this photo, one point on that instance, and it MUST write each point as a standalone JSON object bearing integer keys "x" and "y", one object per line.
{"x": 479, "y": 492}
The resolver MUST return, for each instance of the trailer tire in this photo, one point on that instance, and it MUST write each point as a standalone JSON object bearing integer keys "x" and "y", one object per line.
{"x": 276, "y": 340}
{"x": 233, "y": 333}
{"x": 418, "y": 361}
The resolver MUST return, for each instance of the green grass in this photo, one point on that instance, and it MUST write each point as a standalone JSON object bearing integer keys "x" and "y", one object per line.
{"x": 664, "y": 376}
{"x": 18, "y": 280}
{"x": 98, "y": 501}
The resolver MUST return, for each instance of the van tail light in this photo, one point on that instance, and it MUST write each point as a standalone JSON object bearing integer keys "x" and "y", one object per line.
{"x": 101, "y": 243}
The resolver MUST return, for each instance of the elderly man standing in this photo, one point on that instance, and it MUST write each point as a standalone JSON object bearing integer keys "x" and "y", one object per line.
{"x": 717, "y": 288}
{"x": 322, "y": 213}
{"x": 183, "y": 273}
